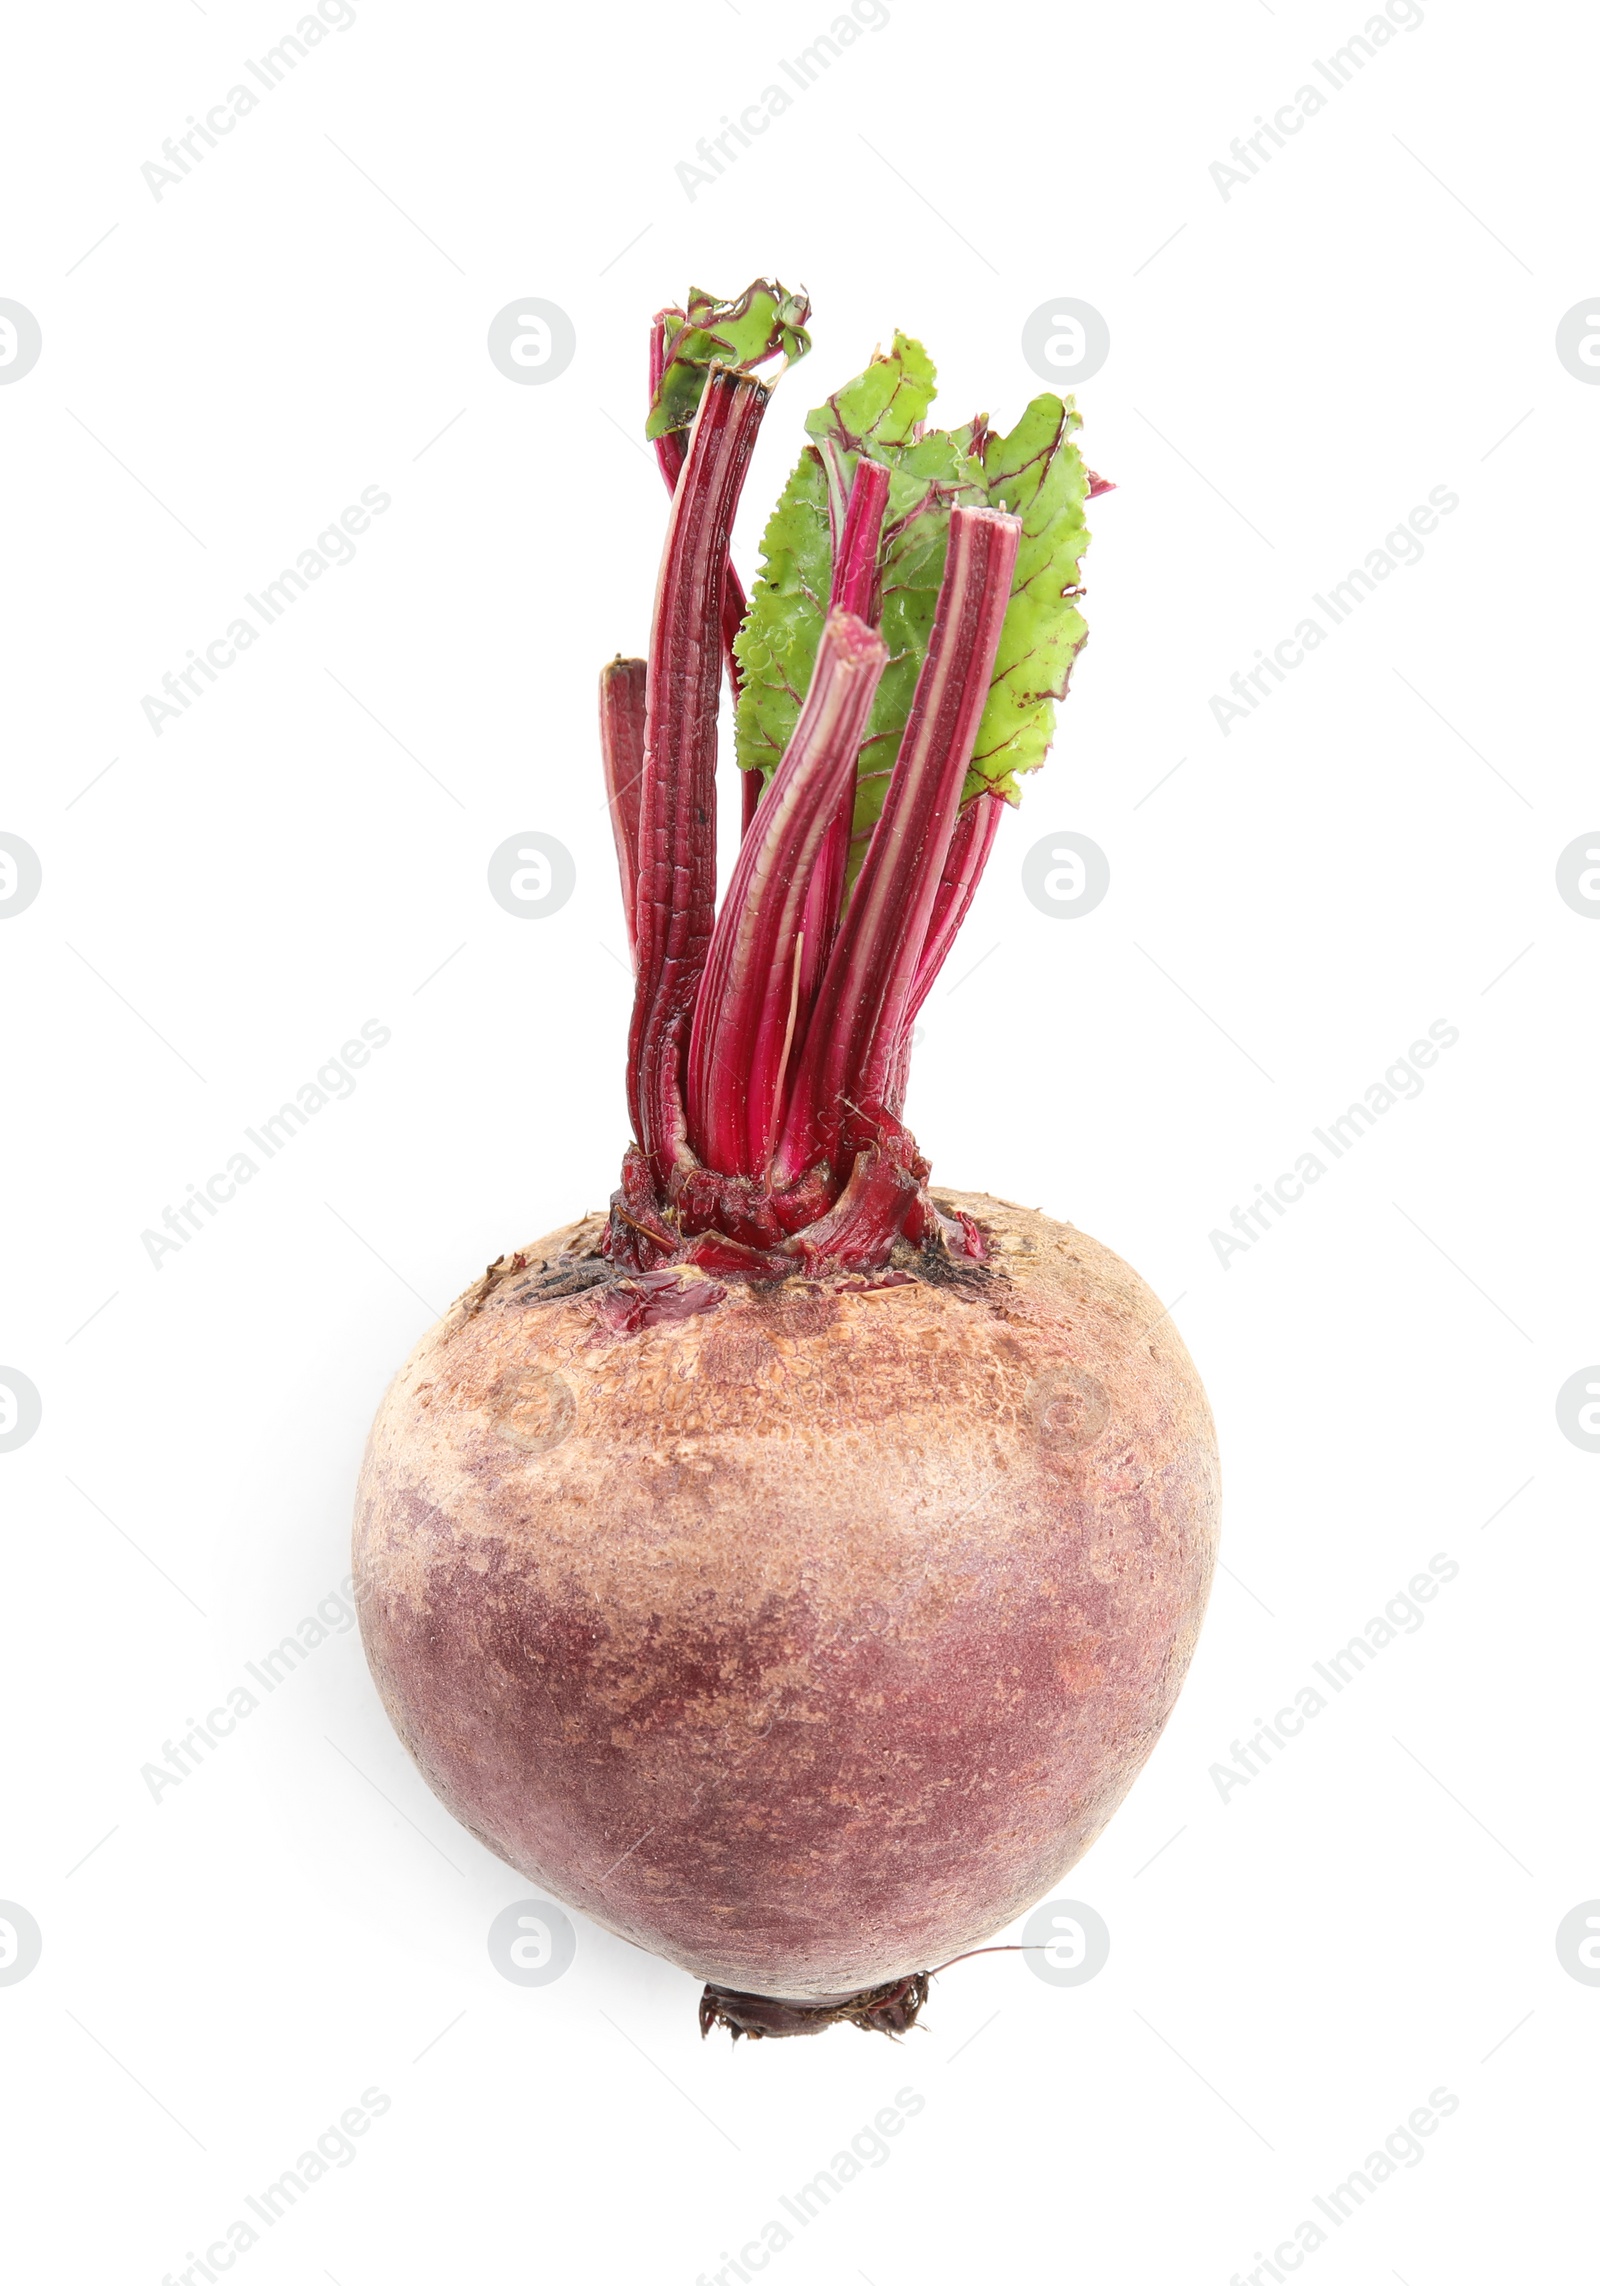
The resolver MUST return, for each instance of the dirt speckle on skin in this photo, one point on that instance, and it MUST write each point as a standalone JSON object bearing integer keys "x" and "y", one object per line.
{"x": 800, "y": 1640}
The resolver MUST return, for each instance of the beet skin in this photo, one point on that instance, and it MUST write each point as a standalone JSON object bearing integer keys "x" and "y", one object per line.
{"x": 805, "y": 1638}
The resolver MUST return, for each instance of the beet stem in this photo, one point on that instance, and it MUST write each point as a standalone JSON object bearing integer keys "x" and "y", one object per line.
{"x": 968, "y": 854}
{"x": 745, "y": 1011}
{"x": 750, "y": 785}
{"x": 622, "y": 689}
{"x": 853, "y": 1041}
{"x": 855, "y": 588}
{"x": 670, "y": 451}
{"x": 677, "y": 820}
{"x": 965, "y": 860}
{"x": 855, "y": 570}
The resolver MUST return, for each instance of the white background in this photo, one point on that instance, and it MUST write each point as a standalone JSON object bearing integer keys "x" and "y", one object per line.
{"x": 1371, "y": 316}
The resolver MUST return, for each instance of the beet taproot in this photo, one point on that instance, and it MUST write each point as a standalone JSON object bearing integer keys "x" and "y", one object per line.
{"x": 807, "y": 1638}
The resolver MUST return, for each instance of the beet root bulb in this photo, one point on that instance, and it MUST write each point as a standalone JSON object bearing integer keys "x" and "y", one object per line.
{"x": 803, "y": 1633}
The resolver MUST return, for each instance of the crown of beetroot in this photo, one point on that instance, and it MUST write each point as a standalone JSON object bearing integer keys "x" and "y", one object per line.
{"x": 895, "y": 669}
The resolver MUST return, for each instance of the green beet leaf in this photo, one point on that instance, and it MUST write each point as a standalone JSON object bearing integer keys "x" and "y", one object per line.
{"x": 764, "y": 321}
{"x": 1035, "y": 472}
{"x": 1038, "y": 473}
{"x": 878, "y": 413}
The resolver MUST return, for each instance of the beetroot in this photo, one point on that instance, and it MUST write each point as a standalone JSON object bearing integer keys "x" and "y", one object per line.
{"x": 793, "y": 1567}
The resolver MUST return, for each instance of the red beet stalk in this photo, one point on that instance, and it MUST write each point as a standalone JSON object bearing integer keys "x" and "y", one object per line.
{"x": 855, "y": 568}
{"x": 968, "y": 854}
{"x": 622, "y": 687}
{"x": 750, "y": 784}
{"x": 855, "y": 589}
{"x": 677, "y": 878}
{"x": 670, "y": 452}
{"x": 852, "y": 1047}
{"x": 748, "y": 1004}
